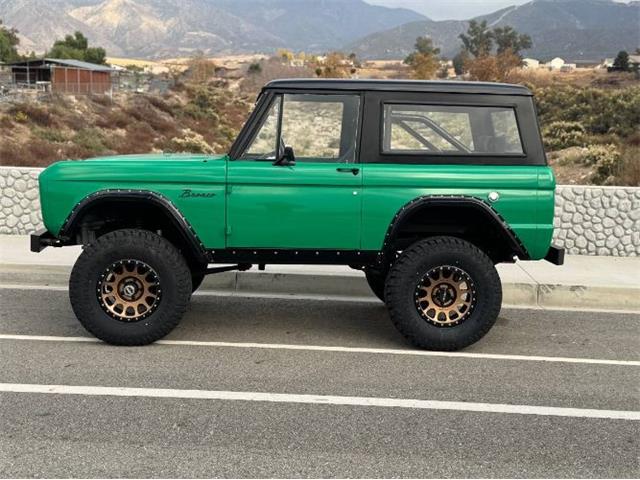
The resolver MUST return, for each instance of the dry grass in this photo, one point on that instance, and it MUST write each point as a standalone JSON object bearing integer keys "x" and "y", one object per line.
{"x": 39, "y": 133}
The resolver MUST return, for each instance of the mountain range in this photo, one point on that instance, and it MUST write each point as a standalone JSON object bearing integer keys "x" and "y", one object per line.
{"x": 165, "y": 28}
{"x": 573, "y": 29}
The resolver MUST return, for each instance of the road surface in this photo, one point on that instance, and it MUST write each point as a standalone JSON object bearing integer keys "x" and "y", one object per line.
{"x": 301, "y": 387}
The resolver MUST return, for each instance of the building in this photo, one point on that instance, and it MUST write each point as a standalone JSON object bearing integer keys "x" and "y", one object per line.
{"x": 63, "y": 76}
{"x": 555, "y": 64}
{"x": 530, "y": 63}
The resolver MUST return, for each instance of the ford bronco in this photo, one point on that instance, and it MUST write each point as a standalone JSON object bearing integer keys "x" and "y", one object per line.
{"x": 424, "y": 186}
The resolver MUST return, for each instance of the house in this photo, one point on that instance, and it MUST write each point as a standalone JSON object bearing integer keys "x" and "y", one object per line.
{"x": 607, "y": 63}
{"x": 634, "y": 62}
{"x": 555, "y": 64}
{"x": 530, "y": 63}
{"x": 63, "y": 75}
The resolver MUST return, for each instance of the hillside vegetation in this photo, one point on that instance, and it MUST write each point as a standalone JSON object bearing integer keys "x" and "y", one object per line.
{"x": 192, "y": 118}
{"x": 591, "y": 134}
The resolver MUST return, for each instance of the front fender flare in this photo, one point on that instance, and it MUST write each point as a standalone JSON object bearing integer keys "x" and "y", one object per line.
{"x": 71, "y": 224}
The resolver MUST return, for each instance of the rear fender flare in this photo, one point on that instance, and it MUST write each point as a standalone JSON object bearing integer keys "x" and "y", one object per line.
{"x": 434, "y": 201}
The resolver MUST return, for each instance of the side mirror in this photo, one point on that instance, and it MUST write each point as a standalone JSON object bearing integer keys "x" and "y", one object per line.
{"x": 287, "y": 158}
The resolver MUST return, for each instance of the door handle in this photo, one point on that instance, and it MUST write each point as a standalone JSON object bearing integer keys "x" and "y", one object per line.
{"x": 353, "y": 170}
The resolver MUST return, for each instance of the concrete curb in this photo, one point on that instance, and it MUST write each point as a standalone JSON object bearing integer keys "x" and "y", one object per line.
{"x": 354, "y": 286}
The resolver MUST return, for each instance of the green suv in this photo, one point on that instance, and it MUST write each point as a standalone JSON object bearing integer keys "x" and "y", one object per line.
{"x": 424, "y": 186}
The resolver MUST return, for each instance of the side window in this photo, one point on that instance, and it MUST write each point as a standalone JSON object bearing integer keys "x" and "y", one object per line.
{"x": 450, "y": 129}
{"x": 321, "y": 128}
{"x": 263, "y": 145}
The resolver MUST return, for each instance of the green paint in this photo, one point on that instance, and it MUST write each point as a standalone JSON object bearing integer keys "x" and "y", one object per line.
{"x": 309, "y": 205}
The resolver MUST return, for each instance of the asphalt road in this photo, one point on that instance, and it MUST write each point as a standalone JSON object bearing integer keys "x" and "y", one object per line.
{"x": 120, "y": 424}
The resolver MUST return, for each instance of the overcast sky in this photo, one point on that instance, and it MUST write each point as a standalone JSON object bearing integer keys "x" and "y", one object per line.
{"x": 451, "y": 9}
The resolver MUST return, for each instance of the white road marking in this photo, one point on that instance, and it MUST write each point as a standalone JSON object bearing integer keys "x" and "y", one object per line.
{"x": 320, "y": 399}
{"x": 322, "y": 348}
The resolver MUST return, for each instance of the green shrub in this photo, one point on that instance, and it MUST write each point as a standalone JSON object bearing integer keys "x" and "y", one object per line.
{"x": 190, "y": 142}
{"x": 599, "y": 110}
{"x": 629, "y": 172}
{"x": 607, "y": 161}
{"x": 203, "y": 104}
{"x": 21, "y": 117}
{"x": 50, "y": 134}
{"x": 560, "y": 135}
{"x": 90, "y": 139}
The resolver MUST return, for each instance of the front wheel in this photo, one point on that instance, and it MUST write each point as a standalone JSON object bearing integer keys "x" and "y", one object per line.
{"x": 443, "y": 293}
{"x": 130, "y": 287}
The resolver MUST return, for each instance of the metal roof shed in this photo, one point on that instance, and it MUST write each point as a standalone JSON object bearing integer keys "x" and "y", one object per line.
{"x": 64, "y": 75}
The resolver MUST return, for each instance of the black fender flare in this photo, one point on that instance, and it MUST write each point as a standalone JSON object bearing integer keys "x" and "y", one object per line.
{"x": 71, "y": 223}
{"x": 479, "y": 205}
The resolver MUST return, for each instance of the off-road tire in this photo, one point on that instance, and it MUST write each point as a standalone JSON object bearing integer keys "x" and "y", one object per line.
{"x": 410, "y": 268}
{"x": 376, "y": 280}
{"x": 144, "y": 246}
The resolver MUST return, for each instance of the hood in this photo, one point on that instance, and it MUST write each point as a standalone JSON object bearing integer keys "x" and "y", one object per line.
{"x": 155, "y": 157}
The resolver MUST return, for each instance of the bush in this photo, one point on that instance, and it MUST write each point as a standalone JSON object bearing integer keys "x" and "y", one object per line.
{"x": 21, "y": 117}
{"x": 600, "y": 111}
{"x": 607, "y": 161}
{"x": 190, "y": 142}
{"x": 36, "y": 114}
{"x": 560, "y": 135}
{"x": 90, "y": 139}
{"x": 629, "y": 171}
{"x": 50, "y": 134}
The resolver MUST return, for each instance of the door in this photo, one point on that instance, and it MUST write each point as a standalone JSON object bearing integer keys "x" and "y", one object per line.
{"x": 313, "y": 202}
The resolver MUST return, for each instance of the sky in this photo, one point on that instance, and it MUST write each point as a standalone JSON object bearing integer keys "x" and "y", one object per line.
{"x": 451, "y": 9}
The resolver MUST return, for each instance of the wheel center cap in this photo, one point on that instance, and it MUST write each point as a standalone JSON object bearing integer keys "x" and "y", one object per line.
{"x": 130, "y": 289}
{"x": 444, "y": 295}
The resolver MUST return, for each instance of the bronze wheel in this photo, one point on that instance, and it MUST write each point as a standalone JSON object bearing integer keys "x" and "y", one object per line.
{"x": 445, "y": 296}
{"x": 129, "y": 290}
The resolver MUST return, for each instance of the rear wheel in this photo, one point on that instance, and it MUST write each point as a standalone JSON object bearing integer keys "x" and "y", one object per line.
{"x": 443, "y": 293}
{"x": 130, "y": 287}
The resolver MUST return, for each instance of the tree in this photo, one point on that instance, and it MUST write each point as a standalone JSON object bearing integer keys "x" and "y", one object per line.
{"x": 9, "y": 42}
{"x": 76, "y": 47}
{"x": 480, "y": 62}
{"x": 459, "y": 62}
{"x": 508, "y": 39}
{"x": 478, "y": 40}
{"x": 423, "y": 61}
{"x": 621, "y": 62}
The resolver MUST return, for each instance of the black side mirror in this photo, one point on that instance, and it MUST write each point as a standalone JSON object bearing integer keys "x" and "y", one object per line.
{"x": 287, "y": 158}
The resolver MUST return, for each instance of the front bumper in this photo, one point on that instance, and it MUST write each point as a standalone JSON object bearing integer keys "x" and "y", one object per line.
{"x": 43, "y": 239}
{"x": 555, "y": 255}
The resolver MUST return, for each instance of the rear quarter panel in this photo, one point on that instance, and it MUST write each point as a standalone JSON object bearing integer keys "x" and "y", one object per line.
{"x": 526, "y": 196}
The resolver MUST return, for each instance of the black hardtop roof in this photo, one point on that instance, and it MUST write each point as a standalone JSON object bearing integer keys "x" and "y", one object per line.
{"x": 422, "y": 86}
